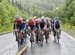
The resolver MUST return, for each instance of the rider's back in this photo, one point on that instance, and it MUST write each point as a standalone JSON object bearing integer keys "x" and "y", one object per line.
{"x": 30, "y": 23}
{"x": 37, "y": 21}
{"x": 42, "y": 23}
{"x": 19, "y": 21}
{"x": 57, "y": 24}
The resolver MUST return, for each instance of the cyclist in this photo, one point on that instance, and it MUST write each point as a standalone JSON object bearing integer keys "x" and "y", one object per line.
{"x": 57, "y": 30}
{"x": 31, "y": 25}
{"x": 47, "y": 28}
{"x": 57, "y": 24}
{"x": 48, "y": 22}
{"x": 42, "y": 23}
{"x": 24, "y": 28}
{"x": 17, "y": 25}
{"x": 37, "y": 26}
{"x": 24, "y": 25}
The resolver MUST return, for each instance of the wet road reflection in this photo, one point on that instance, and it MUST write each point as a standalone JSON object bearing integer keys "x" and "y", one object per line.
{"x": 66, "y": 47}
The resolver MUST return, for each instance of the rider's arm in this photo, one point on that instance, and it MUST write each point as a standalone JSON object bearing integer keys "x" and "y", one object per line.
{"x": 54, "y": 26}
{"x": 14, "y": 25}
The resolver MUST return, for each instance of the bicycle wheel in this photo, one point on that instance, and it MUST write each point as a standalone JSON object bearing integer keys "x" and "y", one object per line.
{"x": 58, "y": 37}
{"x": 16, "y": 36}
{"x": 22, "y": 41}
{"x": 55, "y": 35}
{"x": 37, "y": 39}
{"x": 46, "y": 37}
{"x": 42, "y": 39}
{"x": 25, "y": 37}
{"x": 41, "y": 43}
{"x": 32, "y": 38}
{"x": 31, "y": 41}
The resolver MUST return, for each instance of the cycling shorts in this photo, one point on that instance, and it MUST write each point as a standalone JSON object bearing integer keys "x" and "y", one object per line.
{"x": 32, "y": 27}
{"x": 19, "y": 27}
{"x": 42, "y": 26}
{"x": 48, "y": 25}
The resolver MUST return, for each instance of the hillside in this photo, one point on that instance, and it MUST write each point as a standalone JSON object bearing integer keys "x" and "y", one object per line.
{"x": 39, "y": 4}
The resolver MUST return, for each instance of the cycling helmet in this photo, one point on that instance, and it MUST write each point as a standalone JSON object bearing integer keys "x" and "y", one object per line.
{"x": 24, "y": 19}
{"x": 17, "y": 17}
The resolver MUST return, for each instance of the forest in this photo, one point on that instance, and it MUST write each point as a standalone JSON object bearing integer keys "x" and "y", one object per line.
{"x": 64, "y": 9}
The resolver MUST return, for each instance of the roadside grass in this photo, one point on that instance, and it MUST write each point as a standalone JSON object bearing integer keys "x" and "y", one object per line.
{"x": 6, "y": 29}
{"x": 68, "y": 27}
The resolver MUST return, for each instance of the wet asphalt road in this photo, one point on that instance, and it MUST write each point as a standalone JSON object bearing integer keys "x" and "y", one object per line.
{"x": 66, "y": 47}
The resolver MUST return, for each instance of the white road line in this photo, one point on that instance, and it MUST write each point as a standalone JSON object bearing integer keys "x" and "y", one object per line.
{"x": 68, "y": 35}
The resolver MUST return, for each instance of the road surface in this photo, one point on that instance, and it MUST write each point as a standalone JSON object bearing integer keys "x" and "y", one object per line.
{"x": 66, "y": 47}
{"x": 8, "y": 44}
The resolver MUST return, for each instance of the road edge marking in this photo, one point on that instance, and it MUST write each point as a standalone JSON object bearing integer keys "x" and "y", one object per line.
{"x": 22, "y": 50}
{"x": 69, "y": 36}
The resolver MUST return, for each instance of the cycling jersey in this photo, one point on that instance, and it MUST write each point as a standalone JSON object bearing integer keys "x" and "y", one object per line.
{"x": 18, "y": 24}
{"x": 31, "y": 24}
{"x": 37, "y": 22}
{"x": 42, "y": 24}
{"x": 24, "y": 26}
{"x": 57, "y": 24}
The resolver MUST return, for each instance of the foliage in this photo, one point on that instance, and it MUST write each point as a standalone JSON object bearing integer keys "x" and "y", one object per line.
{"x": 7, "y": 13}
{"x": 67, "y": 12}
{"x": 26, "y": 8}
{"x": 38, "y": 7}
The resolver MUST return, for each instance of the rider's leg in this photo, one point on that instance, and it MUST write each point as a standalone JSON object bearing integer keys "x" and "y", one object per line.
{"x": 37, "y": 34}
{"x": 21, "y": 41}
{"x": 54, "y": 33}
{"x": 24, "y": 36}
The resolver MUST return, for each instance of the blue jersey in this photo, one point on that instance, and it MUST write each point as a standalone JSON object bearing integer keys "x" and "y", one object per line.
{"x": 37, "y": 22}
{"x": 24, "y": 26}
{"x": 36, "y": 26}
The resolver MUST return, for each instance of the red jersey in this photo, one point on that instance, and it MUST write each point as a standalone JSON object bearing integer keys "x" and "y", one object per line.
{"x": 19, "y": 21}
{"x": 31, "y": 23}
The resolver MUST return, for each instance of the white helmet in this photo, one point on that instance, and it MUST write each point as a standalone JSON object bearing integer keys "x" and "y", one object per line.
{"x": 42, "y": 17}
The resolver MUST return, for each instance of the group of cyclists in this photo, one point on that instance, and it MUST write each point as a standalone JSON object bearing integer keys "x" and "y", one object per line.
{"x": 36, "y": 28}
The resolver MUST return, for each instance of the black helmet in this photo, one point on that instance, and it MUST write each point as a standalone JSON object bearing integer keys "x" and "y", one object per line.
{"x": 24, "y": 19}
